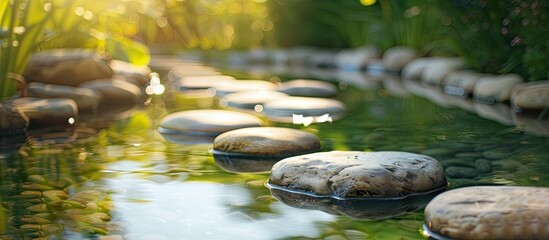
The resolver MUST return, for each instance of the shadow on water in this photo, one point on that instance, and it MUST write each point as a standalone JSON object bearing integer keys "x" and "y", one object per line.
{"x": 122, "y": 178}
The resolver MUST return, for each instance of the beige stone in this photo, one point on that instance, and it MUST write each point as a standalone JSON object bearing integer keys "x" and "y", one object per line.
{"x": 532, "y": 95}
{"x": 460, "y": 83}
{"x": 252, "y": 101}
{"x": 395, "y": 58}
{"x": 287, "y": 108}
{"x": 243, "y": 85}
{"x": 414, "y": 69}
{"x": 308, "y": 88}
{"x": 86, "y": 99}
{"x": 490, "y": 212}
{"x": 207, "y": 122}
{"x": 435, "y": 71}
{"x": 66, "y": 67}
{"x": 495, "y": 88}
{"x": 266, "y": 141}
{"x": 359, "y": 174}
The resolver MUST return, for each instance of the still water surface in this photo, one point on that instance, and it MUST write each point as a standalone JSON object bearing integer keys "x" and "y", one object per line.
{"x": 141, "y": 186}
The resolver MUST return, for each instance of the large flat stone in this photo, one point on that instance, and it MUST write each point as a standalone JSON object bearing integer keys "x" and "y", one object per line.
{"x": 359, "y": 174}
{"x": 206, "y": 122}
{"x": 286, "y": 108}
{"x": 490, "y": 212}
{"x": 495, "y": 88}
{"x": 86, "y": 99}
{"x": 532, "y": 95}
{"x": 308, "y": 88}
{"x": 47, "y": 112}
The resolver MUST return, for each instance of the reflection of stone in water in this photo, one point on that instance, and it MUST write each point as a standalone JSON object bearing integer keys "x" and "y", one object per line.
{"x": 250, "y": 101}
{"x": 242, "y": 163}
{"x": 358, "y": 79}
{"x": 284, "y": 109}
{"x": 356, "y": 208}
{"x": 60, "y": 136}
{"x": 498, "y": 112}
{"x": 308, "y": 88}
{"x": 534, "y": 124}
{"x": 244, "y": 85}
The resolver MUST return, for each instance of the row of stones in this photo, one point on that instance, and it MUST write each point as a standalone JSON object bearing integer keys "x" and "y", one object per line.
{"x": 339, "y": 174}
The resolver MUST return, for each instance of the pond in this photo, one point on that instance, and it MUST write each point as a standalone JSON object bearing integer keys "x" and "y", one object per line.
{"x": 126, "y": 181}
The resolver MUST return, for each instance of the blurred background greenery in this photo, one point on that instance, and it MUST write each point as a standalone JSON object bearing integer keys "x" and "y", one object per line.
{"x": 491, "y": 36}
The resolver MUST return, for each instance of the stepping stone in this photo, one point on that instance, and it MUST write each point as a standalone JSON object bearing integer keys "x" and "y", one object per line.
{"x": 115, "y": 92}
{"x": 356, "y": 59}
{"x": 138, "y": 75}
{"x": 395, "y": 58}
{"x": 252, "y": 101}
{"x": 495, "y": 88}
{"x": 244, "y": 85}
{"x": 318, "y": 109}
{"x": 86, "y": 99}
{"x": 435, "y": 71}
{"x": 47, "y": 112}
{"x": 206, "y": 122}
{"x": 532, "y": 95}
{"x": 460, "y": 83}
{"x": 414, "y": 69}
{"x": 258, "y": 148}
{"x": 204, "y": 82}
{"x": 308, "y": 88}
{"x": 489, "y": 212}
{"x": 66, "y": 67}
{"x": 349, "y": 174}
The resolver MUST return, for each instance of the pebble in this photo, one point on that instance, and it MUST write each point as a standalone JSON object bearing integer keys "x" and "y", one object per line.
{"x": 243, "y": 85}
{"x": 250, "y": 100}
{"x": 490, "y": 212}
{"x": 86, "y": 99}
{"x": 115, "y": 92}
{"x": 350, "y": 174}
{"x": 66, "y": 67}
{"x": 532, "y": 95}
{"x": 207, "y": 122}
{"x": 308, "y": 88}
{"x": 47, "y": 112}
{"x": 319, "y": 109}
{"x": 495, "y": 88}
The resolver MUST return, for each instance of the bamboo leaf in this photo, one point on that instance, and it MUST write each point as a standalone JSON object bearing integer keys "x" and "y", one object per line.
{"x": 126, "y": 49}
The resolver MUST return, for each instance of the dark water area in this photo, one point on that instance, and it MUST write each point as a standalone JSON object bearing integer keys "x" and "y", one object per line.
{"x": 124, "y": 180}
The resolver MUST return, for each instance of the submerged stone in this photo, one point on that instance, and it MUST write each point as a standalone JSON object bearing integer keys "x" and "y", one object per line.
{"x": 47, "y": 112}
{"x": 359, "y": 174}
{"x": 490, "y": 212}
{"x": 206, "y": 122}
{"x": 86, "y": 99}
{"x": 494, "y": 88}
{"x": 250, "y": 100}
{"x": 244, "y": 85}
{"x": 266, "y": 141}
{"x": 319, "y": 109}
{"x": 66, "y": 67}
{"x": 532, "y": 95}
{"x": 308, "y": 88}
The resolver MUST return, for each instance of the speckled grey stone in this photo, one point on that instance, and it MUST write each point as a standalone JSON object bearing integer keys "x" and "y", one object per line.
{"x": 490, "y": 212}
{"x": 359, "y": 174}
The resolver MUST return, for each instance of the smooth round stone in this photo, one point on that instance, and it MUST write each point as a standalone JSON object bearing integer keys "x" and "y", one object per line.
{"x": 359, "y": 174}
{"x": 45, "y": 112}
{"x": 114, "y": 91}
{"x": 285, "y": 109}
{"x": 532, "y": 95}
{"x": 244, "y": 85}
{"x": 490, "y": 212}
{"x": 138, "y": 75}
{"x": 438, "y": 68}
{"x": 204, "y": 82}
{"x": 308, "y": 88}
{"x": 250, "y": 100}
{"x": 66, "y": 67}
{"x": 266, "y": 141}
{"x": 206, "y": 122}
{"x": 395, "y": 58}
{"x": 495, "y": 88}
{"x": 414, "y": 69}
{"x": 86, "y": 99}
{"x": 460, "y": 83}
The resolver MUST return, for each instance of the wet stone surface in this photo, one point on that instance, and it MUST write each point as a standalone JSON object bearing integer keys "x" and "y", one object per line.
{"x": 206, "y": 122}
{"x": 266, "y": 141}
{"x": 284, "y": 109}
{"x": 359, "y": 174}
{"x": 243, "y": 85}
{"x": 249, "y": 100}
{"x": 490, "y": 212}
{"x": 308, "y": 88}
